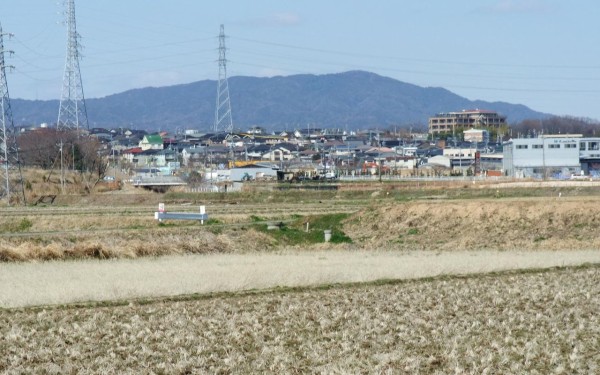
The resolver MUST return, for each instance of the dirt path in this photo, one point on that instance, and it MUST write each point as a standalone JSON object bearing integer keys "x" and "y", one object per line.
{"x": 49, "y": 283}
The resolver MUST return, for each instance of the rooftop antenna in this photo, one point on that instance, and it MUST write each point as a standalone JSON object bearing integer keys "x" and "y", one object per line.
{"x": 223, "y": 121}
{"x": 9, "y": 151}
{"x": 72, "y": 113}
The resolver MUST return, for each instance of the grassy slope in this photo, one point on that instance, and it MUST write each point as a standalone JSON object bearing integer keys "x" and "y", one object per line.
{"x": 395, "y": 222}
{"x": 500, "y": 224}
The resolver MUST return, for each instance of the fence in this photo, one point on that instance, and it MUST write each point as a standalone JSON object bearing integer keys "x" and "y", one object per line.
{"x": 234, "y": 188}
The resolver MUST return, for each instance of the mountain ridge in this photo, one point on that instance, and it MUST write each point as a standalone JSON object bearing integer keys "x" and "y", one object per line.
{"x": 353, "y": 99}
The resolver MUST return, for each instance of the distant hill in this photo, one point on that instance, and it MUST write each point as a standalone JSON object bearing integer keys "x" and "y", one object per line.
{"x": 355, "y": 99}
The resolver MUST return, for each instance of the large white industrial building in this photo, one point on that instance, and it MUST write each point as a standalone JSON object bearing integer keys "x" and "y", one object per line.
{"x": 552, "y": 156}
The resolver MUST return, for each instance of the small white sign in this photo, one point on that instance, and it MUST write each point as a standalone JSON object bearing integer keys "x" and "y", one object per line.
{"x": 161, "y": 207}
{"x": 202, "y": 210}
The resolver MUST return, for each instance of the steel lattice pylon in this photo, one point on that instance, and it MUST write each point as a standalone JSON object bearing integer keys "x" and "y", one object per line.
{"x": 72, "y": 113}
{"x": 223, "y": 120}
{"x": 10, "y": 173}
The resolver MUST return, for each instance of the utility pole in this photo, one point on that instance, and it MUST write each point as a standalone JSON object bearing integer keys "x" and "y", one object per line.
{"x": 72, "y": 112}
{"x": 380, "y": 163}
{"x": 223, "y": 120}
{"x": 62, "y": 171}
{"x": 9, "y": 157}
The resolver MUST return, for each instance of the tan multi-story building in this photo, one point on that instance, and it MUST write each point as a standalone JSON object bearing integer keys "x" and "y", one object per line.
{"x": 449, "y": 122}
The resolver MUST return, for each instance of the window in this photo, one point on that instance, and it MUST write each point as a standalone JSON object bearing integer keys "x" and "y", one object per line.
{"x": 593, "y": 146}
{"x": 582, "y": 146}
{"x": 571, "y": 145}
{"x": 554, "y": 145}
{"x": 537, "y": 146}
{"x": 521, "y": 147}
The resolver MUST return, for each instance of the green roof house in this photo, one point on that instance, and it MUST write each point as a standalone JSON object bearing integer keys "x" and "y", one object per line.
{"x": 151, "y": 142}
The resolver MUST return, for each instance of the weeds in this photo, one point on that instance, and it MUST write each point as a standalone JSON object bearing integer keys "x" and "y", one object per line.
{"x": 14, "y": 226}
{"x": 295, "y": 233}
{"x": 24, "y": 225}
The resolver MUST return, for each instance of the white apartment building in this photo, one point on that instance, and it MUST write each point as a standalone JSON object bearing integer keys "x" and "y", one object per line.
{"x": 477, "y": 118}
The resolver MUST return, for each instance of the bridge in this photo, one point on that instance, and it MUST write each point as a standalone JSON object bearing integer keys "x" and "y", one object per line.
{"x": 158, "y": 183}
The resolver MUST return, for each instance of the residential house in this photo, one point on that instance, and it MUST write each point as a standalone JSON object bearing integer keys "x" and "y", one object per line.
{"x": 193, "y": 155}
{"x": 476, "y": 135}
{"x": 461, "y": 158}
{"x": 151, "y": 142}
{"x": 151, "y": 158}
{"x": 130, "y": 155}
{"x": 257, "y": 152}
{"x": 278, "y": 154}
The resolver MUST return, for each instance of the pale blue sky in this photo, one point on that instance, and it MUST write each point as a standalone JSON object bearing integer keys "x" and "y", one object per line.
{"x": 541, "y": 53}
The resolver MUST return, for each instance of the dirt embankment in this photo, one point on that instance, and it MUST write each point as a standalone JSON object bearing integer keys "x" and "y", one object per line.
{"x": 130, "y": 244}
{"x": 550, "y": 223}
{"x": 545, "y": 223}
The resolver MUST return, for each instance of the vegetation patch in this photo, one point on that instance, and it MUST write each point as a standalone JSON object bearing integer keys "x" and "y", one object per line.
{"x": 15, "y": 226}
{"x": 295, "y": 232}
{"x": 256, "y": 219}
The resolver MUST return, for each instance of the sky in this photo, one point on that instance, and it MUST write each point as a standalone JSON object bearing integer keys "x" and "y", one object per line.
{"x": 544, "y": 54}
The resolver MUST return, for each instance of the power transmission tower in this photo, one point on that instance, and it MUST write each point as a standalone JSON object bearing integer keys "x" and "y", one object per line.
{"x": 72, "y": 113}
{"x": 223, "y": 121}
{"x": 10, "y": 173}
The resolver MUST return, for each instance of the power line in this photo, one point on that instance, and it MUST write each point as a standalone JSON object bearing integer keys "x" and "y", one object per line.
{"x": 436, "y": 61}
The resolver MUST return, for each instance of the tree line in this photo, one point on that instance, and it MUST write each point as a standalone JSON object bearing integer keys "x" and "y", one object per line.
{"x": 556, "y": 125}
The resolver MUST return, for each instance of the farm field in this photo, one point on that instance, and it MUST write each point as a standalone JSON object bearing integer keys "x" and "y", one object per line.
{"x": 433, "y": 279}
{"x": 517, "y": 322}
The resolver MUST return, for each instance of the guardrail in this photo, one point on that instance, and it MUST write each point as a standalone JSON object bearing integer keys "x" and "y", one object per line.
{"x": 163, "y": 215}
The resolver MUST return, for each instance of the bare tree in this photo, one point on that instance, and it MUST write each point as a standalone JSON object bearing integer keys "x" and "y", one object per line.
{"x": 51, "y": 149}
{"x": 556, "y": 125}
{"x": 92, "y": 166}
{"x": 40, "y": 148}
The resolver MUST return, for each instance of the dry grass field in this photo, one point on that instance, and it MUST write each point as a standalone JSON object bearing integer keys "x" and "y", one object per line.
{"x": 59, "y": 282}
{"x": 434, "y": 279}
{"x": 525, "y": 322}
{"x": 80, "y": 231}
{"x": 500, "y": 224}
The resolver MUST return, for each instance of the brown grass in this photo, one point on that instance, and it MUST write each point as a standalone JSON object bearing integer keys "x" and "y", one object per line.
{"x": 436, "y": 225}
{"x": 550, "y": 224}
{"x": 543, "y": 322}
{"x": 59, "y": 282}
{"x": 131, "y": 244}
